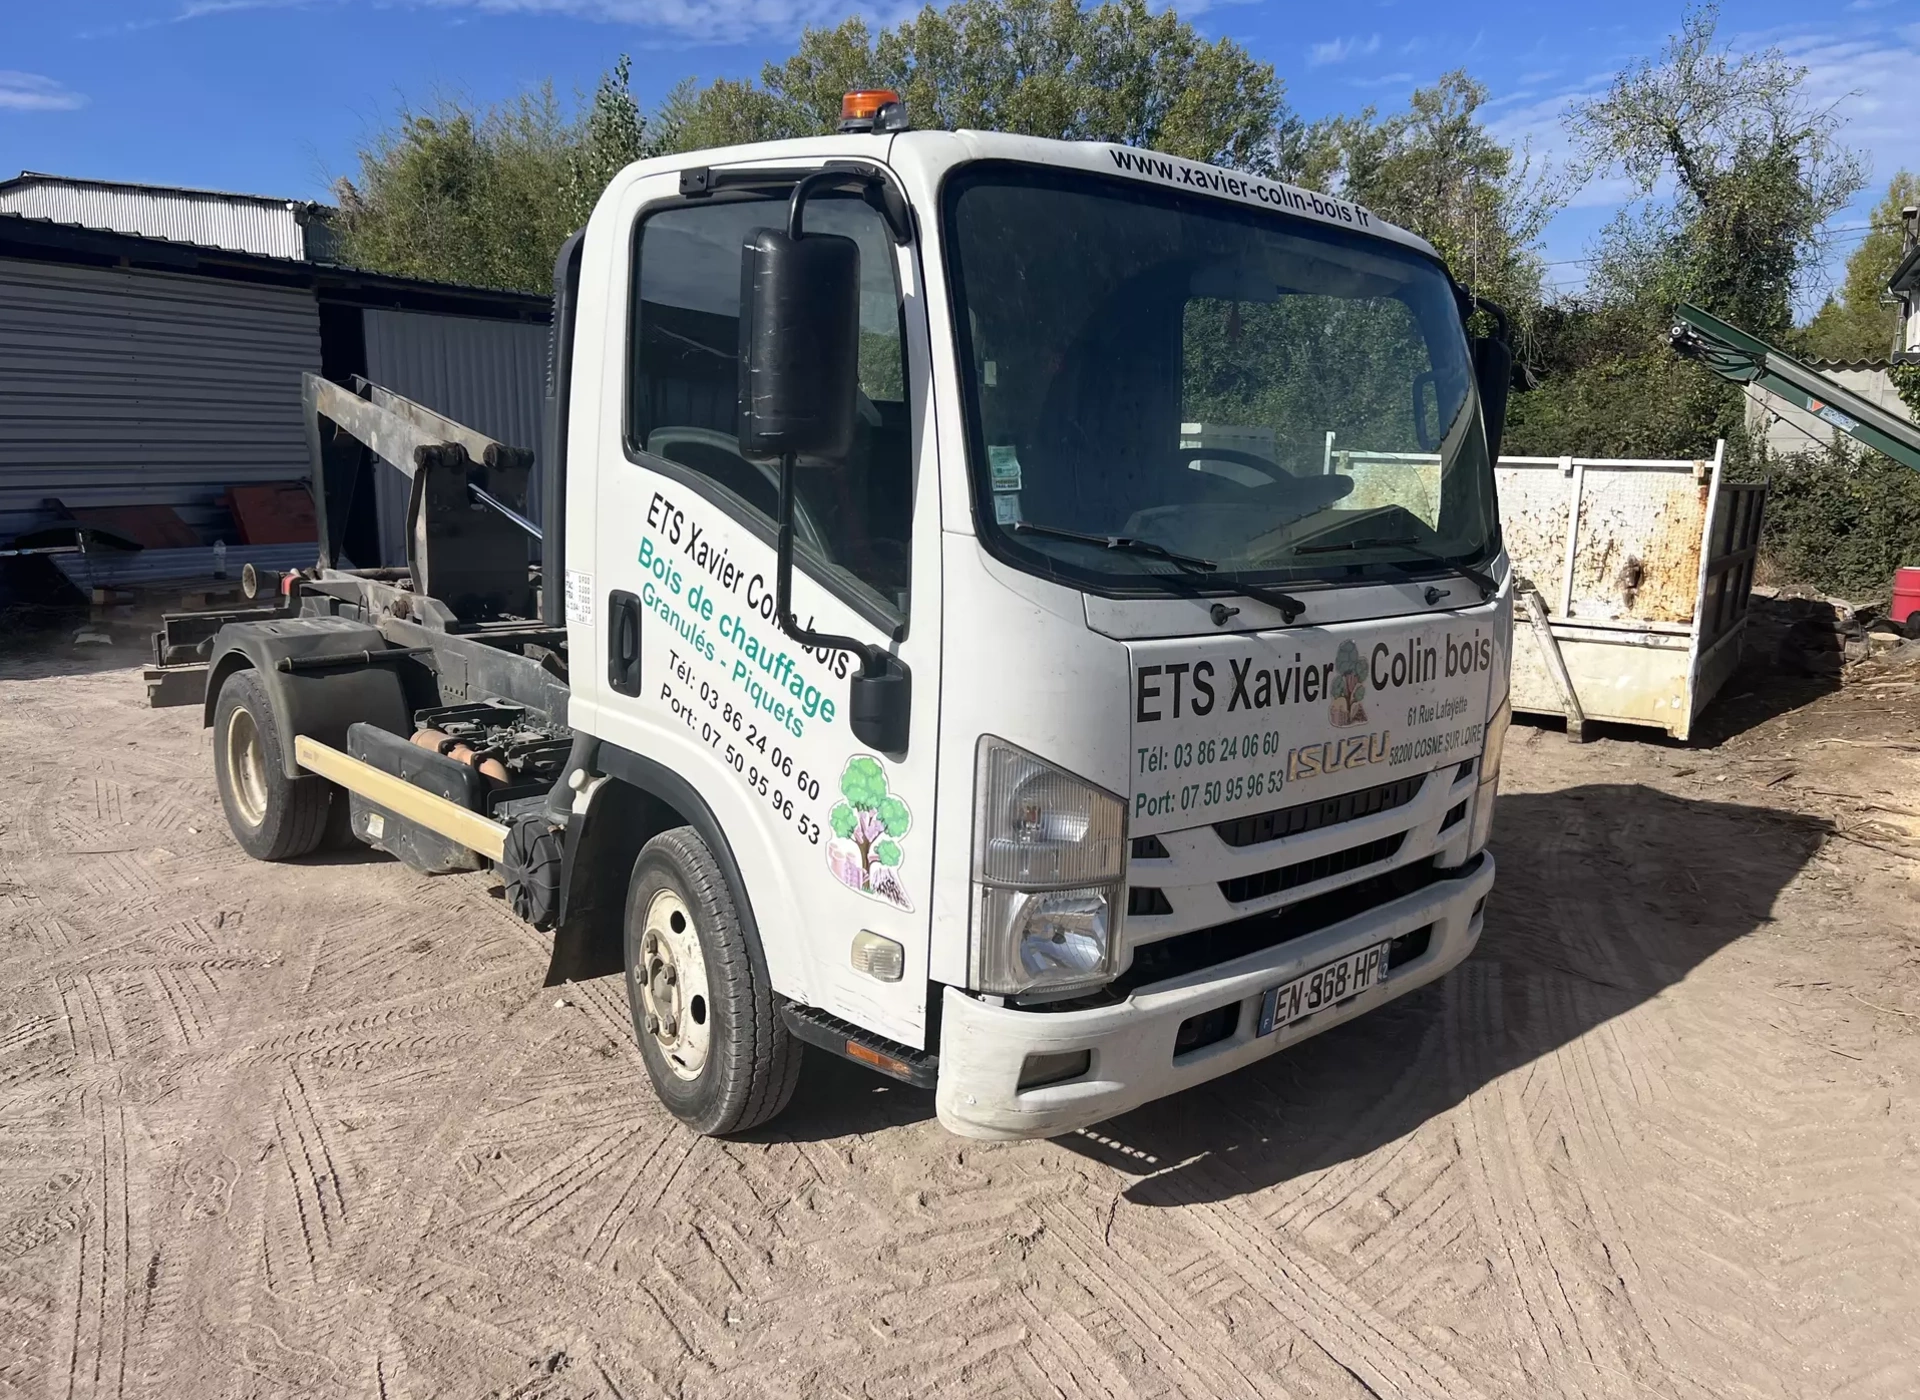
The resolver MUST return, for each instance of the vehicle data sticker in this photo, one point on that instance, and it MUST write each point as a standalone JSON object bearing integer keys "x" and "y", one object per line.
{"x": 579, "y": 597}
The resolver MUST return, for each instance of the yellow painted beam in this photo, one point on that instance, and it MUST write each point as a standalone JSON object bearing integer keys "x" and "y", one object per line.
{"x": 402, "y": 798}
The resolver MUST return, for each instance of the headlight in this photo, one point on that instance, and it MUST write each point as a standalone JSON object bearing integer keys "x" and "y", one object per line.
{"x": 1483, "y": 798}
{"x": 1049, "y": 856}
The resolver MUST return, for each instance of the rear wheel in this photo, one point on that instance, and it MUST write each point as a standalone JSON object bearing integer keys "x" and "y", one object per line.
{"x": 273, "y": 817}
{"x": 709, "y": 1027}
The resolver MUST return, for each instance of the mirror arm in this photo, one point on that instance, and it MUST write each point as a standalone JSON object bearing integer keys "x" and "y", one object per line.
{"x": 873, "y": 661}
{"x": 878, "y": 192}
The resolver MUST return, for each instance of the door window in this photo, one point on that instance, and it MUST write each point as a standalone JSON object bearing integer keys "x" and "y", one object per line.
{"x": 853, "y": 517}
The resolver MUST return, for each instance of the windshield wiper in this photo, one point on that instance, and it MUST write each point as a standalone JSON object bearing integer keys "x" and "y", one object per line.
{"x": 1482, "y": 581}
{"x": 1289, "y": 606}
{"x": 1126, "y": 544}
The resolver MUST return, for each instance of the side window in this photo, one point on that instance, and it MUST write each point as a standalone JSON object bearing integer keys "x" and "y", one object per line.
{"x": 852, "y": 518}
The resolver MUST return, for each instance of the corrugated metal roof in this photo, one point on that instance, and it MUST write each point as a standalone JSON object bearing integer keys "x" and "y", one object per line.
{"x": 126, "y": 385}
{"x": 41, "y": 239}
{"x": 258, "y": 224}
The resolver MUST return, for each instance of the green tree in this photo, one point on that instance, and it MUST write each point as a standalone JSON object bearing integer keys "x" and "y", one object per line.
{"x": 609, "y": 137}
{"x": 1755, "y": 164}
{"x": 1737, "y": 169}
{"x": 1842, "y": 518}
{"x": 486, "y": 196}
{"x": 1436, "y": 169}
{"x": 1860, "y": 324}
{"x": 1114, "y": 72}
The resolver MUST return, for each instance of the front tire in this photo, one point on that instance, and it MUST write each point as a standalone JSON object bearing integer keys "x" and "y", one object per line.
{"x": 708, "y": 1025}
{"x": 273, "y": 817}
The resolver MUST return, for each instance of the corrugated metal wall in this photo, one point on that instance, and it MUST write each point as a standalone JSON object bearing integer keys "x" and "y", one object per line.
{"x": 121, "y": 386}
{"x": 490, "y": 375}
{"x": 267, "y": 227}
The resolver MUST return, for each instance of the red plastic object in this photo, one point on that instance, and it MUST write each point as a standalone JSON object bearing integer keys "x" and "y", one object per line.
{"x": 1906, "y": 594}
{"x": 277, "y": 513}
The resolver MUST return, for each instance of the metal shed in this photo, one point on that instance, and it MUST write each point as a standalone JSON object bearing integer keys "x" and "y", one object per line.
{"x": 123, "y": 386}
{"x": 140, "y": 371}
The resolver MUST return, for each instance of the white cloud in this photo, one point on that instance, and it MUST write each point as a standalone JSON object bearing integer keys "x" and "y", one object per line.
{"x": 694, "y": 21}
{"x": 1385, "y": 80}
{"x": 29, "y": 92}
{"x": 710, "y": 21}
{"x": 1341, "y": 50}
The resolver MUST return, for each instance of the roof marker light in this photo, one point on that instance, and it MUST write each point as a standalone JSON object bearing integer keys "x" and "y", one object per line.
{"x": 872, "y": 109}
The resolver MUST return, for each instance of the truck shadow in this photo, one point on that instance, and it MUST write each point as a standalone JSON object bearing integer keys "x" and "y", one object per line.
{"x": 1607, "y": 895}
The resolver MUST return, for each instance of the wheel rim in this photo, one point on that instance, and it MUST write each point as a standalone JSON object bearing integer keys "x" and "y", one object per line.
{"x": 246, "y": 767}
{"x": 671, "y": 977}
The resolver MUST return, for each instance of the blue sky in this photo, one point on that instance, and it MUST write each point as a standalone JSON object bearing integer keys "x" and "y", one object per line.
{"x": 276, "y": 96}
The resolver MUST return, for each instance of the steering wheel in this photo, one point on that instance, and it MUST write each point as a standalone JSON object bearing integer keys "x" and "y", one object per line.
{"x": 1304, "y": 494}
{"x": 1254, "y": 460}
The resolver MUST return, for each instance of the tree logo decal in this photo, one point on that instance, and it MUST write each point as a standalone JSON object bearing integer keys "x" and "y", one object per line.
{"x": 868, "y": 823}
{"x": 1349, "y": 688}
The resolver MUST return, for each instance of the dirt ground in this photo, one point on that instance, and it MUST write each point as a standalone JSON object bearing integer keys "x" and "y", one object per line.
{"x": 318, "y": 1130}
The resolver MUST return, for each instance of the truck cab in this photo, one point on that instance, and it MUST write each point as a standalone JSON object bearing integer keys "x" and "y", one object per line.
{"x": 1035, "y": 617}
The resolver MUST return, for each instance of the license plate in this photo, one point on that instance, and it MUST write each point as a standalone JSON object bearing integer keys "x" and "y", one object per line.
{"x": 1321, "y": 988}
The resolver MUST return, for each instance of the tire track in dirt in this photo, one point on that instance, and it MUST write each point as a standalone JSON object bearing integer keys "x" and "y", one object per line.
{"x": 1592, "y": 1162}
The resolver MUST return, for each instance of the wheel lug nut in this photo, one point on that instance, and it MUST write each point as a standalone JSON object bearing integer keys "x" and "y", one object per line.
{"x": 653, "y": 1025}
{"x": 671, "y": 976}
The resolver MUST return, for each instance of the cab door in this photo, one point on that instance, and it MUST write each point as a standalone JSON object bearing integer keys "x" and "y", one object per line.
{"x": 683, "y": 660}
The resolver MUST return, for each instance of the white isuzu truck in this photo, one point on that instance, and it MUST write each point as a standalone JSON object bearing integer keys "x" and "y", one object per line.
{"x": 1027, "y": 616}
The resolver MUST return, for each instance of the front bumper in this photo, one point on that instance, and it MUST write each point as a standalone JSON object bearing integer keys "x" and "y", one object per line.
{"x": 983, "y": 1047}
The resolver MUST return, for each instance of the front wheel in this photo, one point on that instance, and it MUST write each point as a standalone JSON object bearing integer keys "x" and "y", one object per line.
{"x": 709, "y": 1027}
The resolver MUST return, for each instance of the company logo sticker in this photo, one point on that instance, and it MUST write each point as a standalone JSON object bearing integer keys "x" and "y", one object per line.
{"x": 867, "y": 824}
{"x": 1349, "y": 688}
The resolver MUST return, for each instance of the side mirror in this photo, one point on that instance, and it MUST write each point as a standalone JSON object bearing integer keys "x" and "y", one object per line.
{"x": 799, "y": 343}
{"x": 799, "y": 387}
{"x": 1493, "y": 370}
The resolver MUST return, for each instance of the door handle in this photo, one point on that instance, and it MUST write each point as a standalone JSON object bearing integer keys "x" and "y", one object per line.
{"x": 623, "y": 642}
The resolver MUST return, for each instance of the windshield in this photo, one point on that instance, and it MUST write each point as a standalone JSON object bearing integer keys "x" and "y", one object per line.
{"x": 1273, "y": 398}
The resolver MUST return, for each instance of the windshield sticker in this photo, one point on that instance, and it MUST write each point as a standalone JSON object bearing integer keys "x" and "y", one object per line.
{"x": 1006, "y": 509}
{"x": 1246, "y": 187}
{"x": 868, "y": 823}
{"x": 1003, "y": 465}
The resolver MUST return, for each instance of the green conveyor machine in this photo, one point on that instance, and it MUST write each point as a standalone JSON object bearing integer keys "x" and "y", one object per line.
{"x": 1733, "y": 354}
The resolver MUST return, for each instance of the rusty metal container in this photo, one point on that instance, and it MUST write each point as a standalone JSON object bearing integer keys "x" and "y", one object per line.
{"x": 1644, "y": 568}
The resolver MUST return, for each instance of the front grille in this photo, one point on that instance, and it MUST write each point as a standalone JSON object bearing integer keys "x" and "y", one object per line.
{"x": 1145, "y": 899}
{"x": 1312, "y": 816}
{"x": 1242, "y": 888}
{"x": 1149, "y": 848}
{"x": 1455, "y": 814}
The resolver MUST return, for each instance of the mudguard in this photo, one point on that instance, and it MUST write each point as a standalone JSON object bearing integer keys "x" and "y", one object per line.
{"x": 318, "y": 703}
